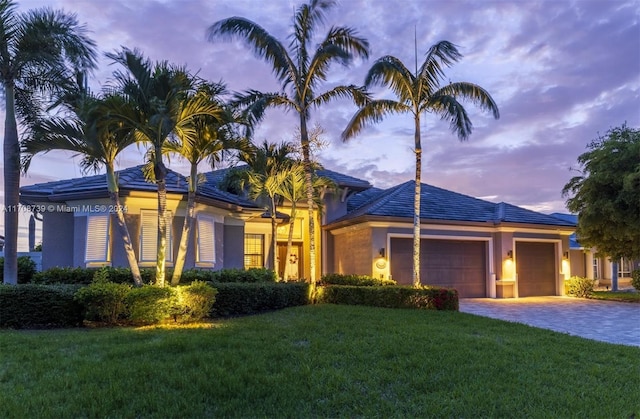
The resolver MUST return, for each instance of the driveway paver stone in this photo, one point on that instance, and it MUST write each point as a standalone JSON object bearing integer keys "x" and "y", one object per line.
{"x": 606, "y": 321}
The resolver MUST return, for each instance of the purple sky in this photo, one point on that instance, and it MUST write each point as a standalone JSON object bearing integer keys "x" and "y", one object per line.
{"x": 561, "y": 72}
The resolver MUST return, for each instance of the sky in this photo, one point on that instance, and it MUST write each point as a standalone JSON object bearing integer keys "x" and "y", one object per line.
{"x": 561, "y": 72}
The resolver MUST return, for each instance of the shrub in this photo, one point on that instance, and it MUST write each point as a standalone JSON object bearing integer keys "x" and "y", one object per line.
{"x": 194, "y": 301}
{"x": 243, "y": 275}
{"x": 356, "y": 280}
{"x": 103, "y": 301}
{"x": 38, "y": 306}
{"x": 390, "y": 296}
{"x": 26, "y": 269}
{"x": 580, "y": 287}
{"x": 150, "y": 304}
{"x": 59, "y": 275}
{"x": 234, "y": 299}
{"x": 635, "y": 279}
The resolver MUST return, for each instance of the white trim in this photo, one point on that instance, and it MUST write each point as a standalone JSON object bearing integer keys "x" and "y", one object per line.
{"x": 97, "y": 249}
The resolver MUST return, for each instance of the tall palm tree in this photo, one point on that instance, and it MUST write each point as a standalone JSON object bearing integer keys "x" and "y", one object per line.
{"x": 88, "y": 130}
{"x": 420, "y": 93}
{"x": 36, "y": 49}
{"x": 163, "y": 108}
{"x": 214, "y": 137}
{"x": 300, "y": 68}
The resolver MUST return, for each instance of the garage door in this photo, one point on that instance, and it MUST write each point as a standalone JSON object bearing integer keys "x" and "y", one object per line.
{"x": 536, "y": 267}
{"x": 448, "y": 263}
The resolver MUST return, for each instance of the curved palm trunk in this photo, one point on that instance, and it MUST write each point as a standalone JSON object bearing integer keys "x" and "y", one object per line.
{"x": 161, "y": 181}
{"x": 274, "y": 237}
{"x": 306, "y": 160}
{"x": 416, "y": 206}
{"x": 112, "y": 185}
{"x": 187, "y": 227}
{"x": 11, "y": 148}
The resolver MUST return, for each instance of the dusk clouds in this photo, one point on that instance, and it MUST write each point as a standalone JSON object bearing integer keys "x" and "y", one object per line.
{"x": 561, "y": 72}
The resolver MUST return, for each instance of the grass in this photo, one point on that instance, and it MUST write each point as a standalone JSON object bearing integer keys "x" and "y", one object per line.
{"x": 624, "y": 296}
{"x": 318, "y": 361}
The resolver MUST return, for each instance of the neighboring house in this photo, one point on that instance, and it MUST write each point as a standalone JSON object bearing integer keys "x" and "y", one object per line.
{"x": 585, "y": 263}
{"x": 481, "y": 248}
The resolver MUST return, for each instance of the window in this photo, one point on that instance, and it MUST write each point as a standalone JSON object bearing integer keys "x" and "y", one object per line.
{"x": 97, "y": 248}
{"x": 253, "y": 251}
{"x": 206, "y": 240}
{"x": 149, "y": 236}
{"x": 624, "y": 268}
{"x": 596, "y": 268}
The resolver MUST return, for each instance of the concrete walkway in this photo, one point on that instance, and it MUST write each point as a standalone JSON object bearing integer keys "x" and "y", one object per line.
{"x": 606, "y": 321}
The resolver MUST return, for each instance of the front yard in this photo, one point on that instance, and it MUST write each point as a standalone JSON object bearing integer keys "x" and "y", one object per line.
{"x": 322, "y": 360}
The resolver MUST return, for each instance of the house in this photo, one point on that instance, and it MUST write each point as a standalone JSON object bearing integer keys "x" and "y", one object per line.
{"x": 481, "y": 248}
{"x": 586, "y": 263}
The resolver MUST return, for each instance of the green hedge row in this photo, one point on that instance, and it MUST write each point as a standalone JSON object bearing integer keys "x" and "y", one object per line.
{"x": 39, "y": 306}
{"x": 236, "y": 299}
{"x": 355, "y": 280}
{"x": 84, "y": 276}
{"x": 390, "y": 297}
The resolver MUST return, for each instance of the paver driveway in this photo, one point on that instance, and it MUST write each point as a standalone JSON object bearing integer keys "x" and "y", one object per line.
{"x": 606, "y": 321}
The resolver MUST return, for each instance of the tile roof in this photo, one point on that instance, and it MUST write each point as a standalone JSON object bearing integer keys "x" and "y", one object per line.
{"x": 128, "y": 180}
{"x": 343, "y": 180}
{"x": 441, "y": 204}
{"x": 573, "y": 239}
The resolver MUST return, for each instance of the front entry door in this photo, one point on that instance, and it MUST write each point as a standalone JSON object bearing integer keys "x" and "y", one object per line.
{"x": 293, "y": 270}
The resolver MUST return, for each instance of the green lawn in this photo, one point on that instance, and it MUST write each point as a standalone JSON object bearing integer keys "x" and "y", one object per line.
{"x": 627, "y": 297}
{"x": 322, "y": 361}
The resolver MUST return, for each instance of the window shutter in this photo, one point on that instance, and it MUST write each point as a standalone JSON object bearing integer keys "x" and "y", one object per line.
{"x": 149, "y": 236}
{"x": 97, "y": 248}
{"x": 206, "y": 237}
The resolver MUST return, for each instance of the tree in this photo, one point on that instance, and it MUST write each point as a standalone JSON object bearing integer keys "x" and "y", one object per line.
{"x": 36, "y": 50}
{"x": 417, "y": 94}
{"x": 300, "y": 69}
{"x": 162, "y": 107}
{"x": 88, "y": 130}
{"x": 606, "y": 195}
{"x": 214, "y": 136}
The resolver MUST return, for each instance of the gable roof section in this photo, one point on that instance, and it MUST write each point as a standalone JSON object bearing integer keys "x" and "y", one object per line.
{"x": 440, "y": 204}
{"x": 344, "y": 181}
{"x": 130, "y": 179}
{"x": 573, "y": 239}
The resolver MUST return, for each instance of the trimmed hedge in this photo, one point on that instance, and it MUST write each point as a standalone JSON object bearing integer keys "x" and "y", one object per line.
{"x": 39, "y": 306}
{"x": 635, "y": 279}
{"x": 580, "y": 287}
{"x": 26, "y": 269}
{"x": 390, "y": 297}
{"x": 251, "y": 275}
{"x": 355, "y": 280}
{"x": 236, "y": 299}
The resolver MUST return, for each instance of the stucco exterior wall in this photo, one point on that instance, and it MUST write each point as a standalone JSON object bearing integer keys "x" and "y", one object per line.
{"x": 231, "y": 253}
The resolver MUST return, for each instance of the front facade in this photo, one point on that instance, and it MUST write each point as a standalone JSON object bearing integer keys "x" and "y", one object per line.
{"x": 482, "y": 249}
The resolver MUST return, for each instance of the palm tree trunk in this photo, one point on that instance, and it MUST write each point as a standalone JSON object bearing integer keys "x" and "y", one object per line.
{"x": 416, "y": 206}
{"x": 274, "y": 237}
{"x": 11, "y": 150}
{"x": 112, "y": 185}
{"x": 187, "y": 227}
{"x": 306, "y": 160}
{"x": 292, "y": 221}
{"x": 161, "y": 181}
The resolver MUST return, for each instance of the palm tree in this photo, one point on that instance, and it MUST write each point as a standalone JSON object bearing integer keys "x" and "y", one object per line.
{"x": 417, "y": 94}
{"x": 300, "y": 69}
{"x": 163, "y": 108}
{"x": 36, "y": 49}
{"x": 269, "y": 165}
{"x": 214, "y": 137}
{"x": 87, "y": 130}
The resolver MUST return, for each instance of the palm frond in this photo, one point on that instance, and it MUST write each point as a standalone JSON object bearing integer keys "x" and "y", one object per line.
{"x": 440, "y": 55}
{"x": 472, "y": 92}
{"x": 374, "y": 111}
{"x": 390, "y": 71}
{"x": 357, "y": 94}
{"x": 450, "y": 109}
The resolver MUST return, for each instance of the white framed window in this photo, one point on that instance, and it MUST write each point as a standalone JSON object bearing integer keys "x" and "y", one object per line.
{"x": 624, "y": 268}
{"x": 205, "y": 246}
{"x": 596, "y": 268}
{"x": 149, "y": 236}
{"x": 97, "y": 244}
{"x": 253, "y": 251}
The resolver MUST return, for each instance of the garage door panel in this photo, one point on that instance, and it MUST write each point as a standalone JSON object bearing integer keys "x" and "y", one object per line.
{"x": 447, "y": 263}
{"x": 535, "y": 264}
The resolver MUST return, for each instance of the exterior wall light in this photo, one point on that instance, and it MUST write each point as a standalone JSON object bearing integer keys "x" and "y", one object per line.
{"x": 510, "y": 254}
